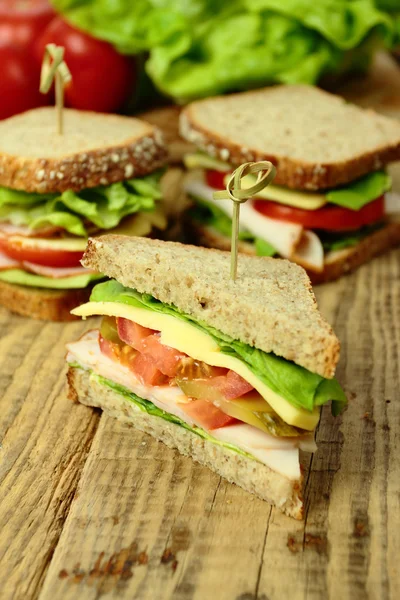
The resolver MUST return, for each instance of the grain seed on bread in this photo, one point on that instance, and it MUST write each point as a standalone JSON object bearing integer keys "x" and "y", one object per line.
{"x": 95, "y": 149}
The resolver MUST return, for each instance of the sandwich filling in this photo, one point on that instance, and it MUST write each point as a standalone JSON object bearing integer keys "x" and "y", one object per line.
{"x": 184, "y": 371}
{"x": 43, "y": 236}
{"x": 306, "y": 227}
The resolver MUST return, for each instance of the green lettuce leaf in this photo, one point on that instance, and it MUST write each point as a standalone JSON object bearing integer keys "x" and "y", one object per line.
{"x": 103, "y": 206}
{"x": 21, "y": 277}
{"x": 299, "y": 386}
{"x": 264, "y": 248}
{"x": 338, "y": 241}
{"x": 208, "y": 214}
{"x": 238, "y": 44}
{"x": 357, "y": 194}
{"x": 9, "y": 196}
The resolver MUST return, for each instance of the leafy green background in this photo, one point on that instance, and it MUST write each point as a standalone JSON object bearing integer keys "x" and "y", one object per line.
{"x": 204, "y": 47}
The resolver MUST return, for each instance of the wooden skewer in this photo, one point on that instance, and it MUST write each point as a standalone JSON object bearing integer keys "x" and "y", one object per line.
{"x": 265, "y": 173}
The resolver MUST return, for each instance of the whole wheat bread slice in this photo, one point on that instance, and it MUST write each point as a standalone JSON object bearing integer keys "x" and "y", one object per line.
{"x": 249, "y": 474}
{"x": 95, "y": 149}
{"x": 40, "y": 303}
{"x": 315, "y": 139}
{"x": 271, "y": 305}
{"x": 337, "y": 263}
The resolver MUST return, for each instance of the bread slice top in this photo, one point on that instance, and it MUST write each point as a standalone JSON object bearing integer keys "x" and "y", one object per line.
{"x": 315, "y": 139}
{"x": 271, "y": 305}
{"x": 95, "y": 149}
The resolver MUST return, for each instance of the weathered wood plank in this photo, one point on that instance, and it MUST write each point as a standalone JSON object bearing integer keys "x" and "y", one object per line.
{"x": 45, "y": 440}
{"x": 175, "y": 519}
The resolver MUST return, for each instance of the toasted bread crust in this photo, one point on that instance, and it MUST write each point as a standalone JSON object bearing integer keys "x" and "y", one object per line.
{"x": 344, "y": 262}
{"x": 291, "y": 172}
{"x": 338, "y": 264}
{"x": 134, "y": 154}
{"x": 40, "y": 303}
{"x": 254, "y": 477}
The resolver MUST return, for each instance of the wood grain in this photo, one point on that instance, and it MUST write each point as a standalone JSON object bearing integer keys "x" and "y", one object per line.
{"x": 45, "y": 441}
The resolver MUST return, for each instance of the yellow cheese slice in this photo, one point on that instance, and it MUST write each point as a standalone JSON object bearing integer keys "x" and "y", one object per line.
{"x": 203, "y": 161}
{"x": 304, "y": 200}
{"x": 188, "y": 339}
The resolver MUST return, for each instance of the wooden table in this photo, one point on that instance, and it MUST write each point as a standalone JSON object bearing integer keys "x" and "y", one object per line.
{"x": 90, "y": 508}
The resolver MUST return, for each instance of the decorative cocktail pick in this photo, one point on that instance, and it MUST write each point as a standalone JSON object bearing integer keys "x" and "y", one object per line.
{"x": 265, "y": 173}
{"x": 55, "y": 68}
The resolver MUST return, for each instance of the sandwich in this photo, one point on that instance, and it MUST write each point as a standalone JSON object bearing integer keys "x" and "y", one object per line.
{"x": 232, "y": 374}
{"x": 102, "y": 174}
{"x": 327, "y": 209}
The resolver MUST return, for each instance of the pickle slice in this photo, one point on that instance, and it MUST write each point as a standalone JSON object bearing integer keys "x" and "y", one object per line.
{"x": 251, "y": 408}
{"x": 254, "y": 410}
{"x": 109, "y": 330}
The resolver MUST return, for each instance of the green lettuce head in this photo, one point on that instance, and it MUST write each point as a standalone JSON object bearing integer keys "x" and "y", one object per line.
{"x": 205, "y": 47}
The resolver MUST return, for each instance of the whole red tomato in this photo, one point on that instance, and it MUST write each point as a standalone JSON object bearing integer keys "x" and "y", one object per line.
{"x": 22, "y": 21}
{"x": 101, "y": 78}
{"x": 19, "y": 83}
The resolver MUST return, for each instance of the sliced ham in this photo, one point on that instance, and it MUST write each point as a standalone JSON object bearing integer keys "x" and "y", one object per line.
{"x": 7, "y": 263}
{"x": 54, "y": 272}
{"x": 392, "y": 203}
{"x": 48, "y": 231}
{"x": 309, "y": 253}
{"x": 282, "y": 235}
{"x": 289, "y": 239}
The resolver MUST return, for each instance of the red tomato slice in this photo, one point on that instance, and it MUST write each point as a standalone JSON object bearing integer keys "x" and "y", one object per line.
{"x": 147, "y": 341}
{"x": 207, "y": 415}
{"x": 329, "y": 218}
{"x": 132, "y": 333}
{"x": 109, "y": 348}
{"x": 40, "y": 256}
{"x": 146, "y": 371}
{"x": 165, "y": 358}
{"x": 215, "y": 179}
{"x": 231, "y": 385}
{"x": 141, "y": 365}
